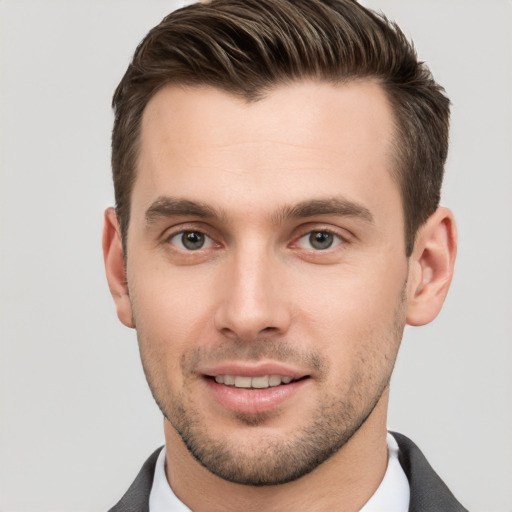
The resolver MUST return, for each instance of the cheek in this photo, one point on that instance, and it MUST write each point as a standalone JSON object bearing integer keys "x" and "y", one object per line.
{"x": 171, "y": 310}
{"x": 162, "y": 291}
{"x": 352, "y": 314}
{"x": 351, "y": 294}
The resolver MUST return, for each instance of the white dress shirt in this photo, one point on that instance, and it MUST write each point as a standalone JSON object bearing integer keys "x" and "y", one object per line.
{"x": 392, "y": 495}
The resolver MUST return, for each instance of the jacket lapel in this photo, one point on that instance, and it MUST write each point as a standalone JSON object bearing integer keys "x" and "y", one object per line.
{"x": 136, "y": 498}
{"x": 428, "y": 492}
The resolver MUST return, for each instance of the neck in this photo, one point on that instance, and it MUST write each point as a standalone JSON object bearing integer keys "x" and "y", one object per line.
{"x": 348, "y": 478}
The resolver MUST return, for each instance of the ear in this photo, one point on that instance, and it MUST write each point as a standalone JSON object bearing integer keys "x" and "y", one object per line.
{"x": 431, "y": 267}
{"x": 115, "y": 267}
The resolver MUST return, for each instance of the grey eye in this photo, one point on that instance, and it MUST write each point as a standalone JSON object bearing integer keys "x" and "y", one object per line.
{"x": 321, "y": 240}
{"x": 191, "y": 240}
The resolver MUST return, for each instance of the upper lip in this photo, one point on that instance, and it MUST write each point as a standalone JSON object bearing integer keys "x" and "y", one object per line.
{"x": 251, "y": 369}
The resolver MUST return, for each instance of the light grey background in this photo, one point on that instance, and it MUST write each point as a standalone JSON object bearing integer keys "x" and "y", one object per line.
{"x": 76, "y": 417}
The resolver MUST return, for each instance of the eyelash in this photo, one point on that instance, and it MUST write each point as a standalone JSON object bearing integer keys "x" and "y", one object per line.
{"x": 209, "y": 240}
{"x": 338, "y": 240}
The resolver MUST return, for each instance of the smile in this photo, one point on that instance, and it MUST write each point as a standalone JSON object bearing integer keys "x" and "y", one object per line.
{"x": 260, "y": 382}
{"x": 248, "y": 394}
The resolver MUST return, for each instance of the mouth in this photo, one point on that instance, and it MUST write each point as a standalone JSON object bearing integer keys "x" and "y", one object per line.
{"x": 255, "y": 389}
{"x": 259, "y": 382}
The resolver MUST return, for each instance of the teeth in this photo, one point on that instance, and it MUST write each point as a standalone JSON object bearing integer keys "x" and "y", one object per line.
{"x": 243, "y": 382}
{"x": 274, "y": 380}
{"x": 262, "y": 382}
{"x": 259, "y": 382}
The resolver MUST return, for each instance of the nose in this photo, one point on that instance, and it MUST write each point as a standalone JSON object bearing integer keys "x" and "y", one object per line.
{"x": 254, "y": 301}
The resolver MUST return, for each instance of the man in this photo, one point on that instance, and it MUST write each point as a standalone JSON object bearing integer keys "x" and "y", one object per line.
{"x": 277, "y": 168}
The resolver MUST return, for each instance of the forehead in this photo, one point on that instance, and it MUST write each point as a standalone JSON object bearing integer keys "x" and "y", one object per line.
{"x": 300, "y": 139}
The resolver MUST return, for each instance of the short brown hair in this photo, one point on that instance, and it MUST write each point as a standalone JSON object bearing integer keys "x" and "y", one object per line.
{"x": 246, "y": 47}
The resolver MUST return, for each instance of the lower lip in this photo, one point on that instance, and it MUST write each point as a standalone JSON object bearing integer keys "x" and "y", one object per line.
{"x": 253, "y": 401}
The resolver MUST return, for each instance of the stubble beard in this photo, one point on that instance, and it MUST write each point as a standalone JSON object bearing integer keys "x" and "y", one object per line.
{"x": 272, "y": 460}
{"x": 277, "y": 459}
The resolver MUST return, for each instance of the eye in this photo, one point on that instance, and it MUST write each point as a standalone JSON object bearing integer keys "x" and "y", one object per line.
{"x": 319, "y": 240}
{"x": 191, "y": 240}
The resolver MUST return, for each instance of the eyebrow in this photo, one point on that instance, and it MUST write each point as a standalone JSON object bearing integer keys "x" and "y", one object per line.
{"x": 331, "y": 206}
{"x": 166, "y": 206}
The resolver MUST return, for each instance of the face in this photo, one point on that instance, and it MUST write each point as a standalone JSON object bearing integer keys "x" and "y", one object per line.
{"x": 266, "y": 271}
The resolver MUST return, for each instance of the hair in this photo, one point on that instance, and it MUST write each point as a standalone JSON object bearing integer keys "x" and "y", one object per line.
{"x": 247, "y": 47}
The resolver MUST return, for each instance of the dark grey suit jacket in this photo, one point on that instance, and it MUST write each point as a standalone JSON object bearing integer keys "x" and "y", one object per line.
{"x": 428, "y": 492}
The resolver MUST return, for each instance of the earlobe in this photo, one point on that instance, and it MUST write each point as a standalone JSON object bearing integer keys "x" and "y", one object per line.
{"x": 431, "y": 267}
{"x": 115, "y": 267}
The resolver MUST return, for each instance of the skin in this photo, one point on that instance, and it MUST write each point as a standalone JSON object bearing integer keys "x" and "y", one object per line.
{"x": 260, "y": 178}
